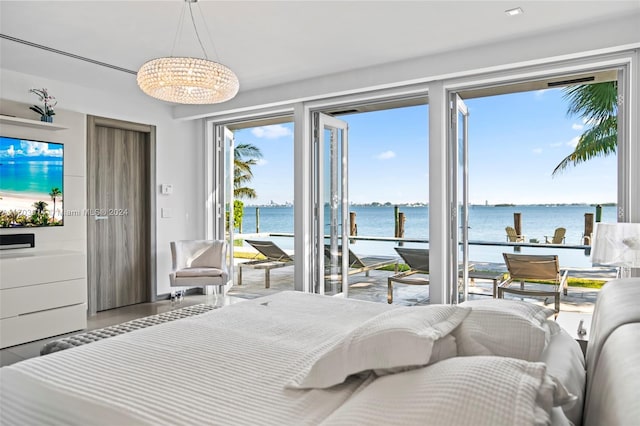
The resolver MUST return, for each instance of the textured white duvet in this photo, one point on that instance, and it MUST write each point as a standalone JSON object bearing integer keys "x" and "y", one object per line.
{"x": 228, "y": 366}
{"x": 231, "y": 366}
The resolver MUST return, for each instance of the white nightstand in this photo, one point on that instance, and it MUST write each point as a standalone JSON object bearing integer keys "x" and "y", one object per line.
{"x": 570, "y": 322}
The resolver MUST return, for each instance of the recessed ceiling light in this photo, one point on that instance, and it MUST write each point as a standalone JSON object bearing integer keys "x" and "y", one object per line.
{"x": 515, "y": 11}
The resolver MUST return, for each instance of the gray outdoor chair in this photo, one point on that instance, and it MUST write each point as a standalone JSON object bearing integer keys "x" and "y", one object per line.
{"x": 275, "y": 257}
{"x": 364, "y": 264}
{"x": 418, "y": 262}
{"x": 527, "y": 267}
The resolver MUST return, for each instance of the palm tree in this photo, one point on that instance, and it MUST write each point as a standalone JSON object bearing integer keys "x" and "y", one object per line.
{"x": 40, "y": 206}
{"x": 55, "y": 193}
{"x": 244, "y": 156}
{"x": 597, "y": 104}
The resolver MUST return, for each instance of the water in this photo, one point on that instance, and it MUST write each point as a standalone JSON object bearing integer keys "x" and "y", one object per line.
{"x": 487, "y": 223}
{"x": 33, "y": 177}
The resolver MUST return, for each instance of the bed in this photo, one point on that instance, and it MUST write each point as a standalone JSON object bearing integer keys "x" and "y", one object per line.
{"x": 302, "y": 359}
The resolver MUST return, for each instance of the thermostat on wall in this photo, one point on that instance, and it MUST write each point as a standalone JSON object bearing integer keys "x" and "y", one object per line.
{"x": 166, "y": 188}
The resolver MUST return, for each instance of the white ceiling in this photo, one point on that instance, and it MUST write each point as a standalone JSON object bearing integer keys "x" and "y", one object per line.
{"x": 269, "y": 42}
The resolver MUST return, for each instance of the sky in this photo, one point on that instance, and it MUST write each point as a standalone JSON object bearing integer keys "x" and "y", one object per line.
{"x": 515, "y": 142}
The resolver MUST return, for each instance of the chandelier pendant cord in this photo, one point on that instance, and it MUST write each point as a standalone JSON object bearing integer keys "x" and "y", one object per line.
{"x": 178, "y": 30}
{"x": 193, "y": 21}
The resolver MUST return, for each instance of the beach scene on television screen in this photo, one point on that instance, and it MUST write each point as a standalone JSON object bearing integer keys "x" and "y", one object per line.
{"x": 31, "y": 183}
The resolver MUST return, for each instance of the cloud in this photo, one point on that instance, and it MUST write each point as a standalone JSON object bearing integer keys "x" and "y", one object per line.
{"x": 574, "y": 142}
{"x": 576, "y": 126}
{"x": 556, "y": 144}
{"x": 537, "y": 150}
{"x": 540, "y": 93}
{"x": 271, "y": 132}
{"x": 261, "y": 162}
{"x": 386, "y": 155}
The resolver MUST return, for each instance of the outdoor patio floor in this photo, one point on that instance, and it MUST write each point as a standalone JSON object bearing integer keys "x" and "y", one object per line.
{"x": 374, "y": 288}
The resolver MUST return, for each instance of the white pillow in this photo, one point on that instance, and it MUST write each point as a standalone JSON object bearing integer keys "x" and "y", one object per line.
{"x": 509, "y": 328}
{"x": 395, "y": 339}
{"x": 565, "y": 361}
{"x": 493, "y": 391}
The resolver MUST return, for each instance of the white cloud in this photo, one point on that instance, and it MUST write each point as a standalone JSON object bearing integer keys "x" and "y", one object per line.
{"x": 574, "y": 142}
{"x": 271, "y": 132}
{"x": 387, "y": 155}
{"x": 556, "y": 144}
{"x": 261, "y": 162}
{"x": 540, "y": 93}
{"x": 576, "y": 126}
{"x": 537, "y": 150}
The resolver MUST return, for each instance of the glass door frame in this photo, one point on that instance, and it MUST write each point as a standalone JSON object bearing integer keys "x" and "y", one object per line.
{"x": 458, "y": 152}
{"x": 339, "y": 201}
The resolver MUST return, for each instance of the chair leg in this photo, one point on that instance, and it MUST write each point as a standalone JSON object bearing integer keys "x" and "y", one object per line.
{"x": 239, "y": 275}
{"x": 389, "y": 291}
{"x": 267, "y": 277}
{"x": 558, "y": 302}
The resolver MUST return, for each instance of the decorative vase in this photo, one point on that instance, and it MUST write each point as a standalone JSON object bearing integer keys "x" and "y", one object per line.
{"x": 46, "y": 118}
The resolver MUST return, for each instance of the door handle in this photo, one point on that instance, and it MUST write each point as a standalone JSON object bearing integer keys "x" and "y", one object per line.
{"x": 102, "y": 218}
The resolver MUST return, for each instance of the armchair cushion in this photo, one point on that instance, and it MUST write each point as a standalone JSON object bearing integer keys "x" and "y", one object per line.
{"x": 199, "y": 272}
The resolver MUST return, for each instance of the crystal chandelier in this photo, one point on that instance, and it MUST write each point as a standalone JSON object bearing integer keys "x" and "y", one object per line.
{"x": 188, "y": 80}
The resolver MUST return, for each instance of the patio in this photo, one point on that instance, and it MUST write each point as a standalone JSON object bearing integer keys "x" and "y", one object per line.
{"x": 374, "y": 287}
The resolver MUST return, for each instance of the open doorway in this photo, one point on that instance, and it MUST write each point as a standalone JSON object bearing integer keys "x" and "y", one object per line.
{"x": 259, "y": 221}
{"x": 387, "y": 176}
{"x": 542, "y": 170}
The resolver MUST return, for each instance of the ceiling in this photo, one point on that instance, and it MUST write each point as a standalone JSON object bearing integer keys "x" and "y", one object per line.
{"x": 268, "y": 42}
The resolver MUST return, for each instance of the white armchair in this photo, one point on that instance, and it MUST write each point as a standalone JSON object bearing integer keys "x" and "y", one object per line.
{"x": 199, "y": 263}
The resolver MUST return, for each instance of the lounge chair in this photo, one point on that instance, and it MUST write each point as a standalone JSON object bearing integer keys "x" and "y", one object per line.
{"x": 558, "y": 237}
{"x": 418, "y": 262}
{"x": 527, "y": 267}
{"x": 363, "y": 264}
{"x": 512, "y": 235}
{"x": 275, "y": 258}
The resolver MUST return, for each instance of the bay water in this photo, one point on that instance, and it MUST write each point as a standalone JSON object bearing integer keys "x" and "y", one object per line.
{"x": 487, "y": 224}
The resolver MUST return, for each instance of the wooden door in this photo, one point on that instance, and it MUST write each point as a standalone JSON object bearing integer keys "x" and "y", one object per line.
{"x": 119, "y": 219}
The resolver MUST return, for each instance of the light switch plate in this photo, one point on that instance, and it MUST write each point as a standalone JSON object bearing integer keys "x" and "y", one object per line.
{"x": 166, "y": 212}
{"x": 166, "y": 189}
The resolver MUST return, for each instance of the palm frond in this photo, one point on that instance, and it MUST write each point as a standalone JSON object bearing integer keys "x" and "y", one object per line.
{"x": 598, "y": 141}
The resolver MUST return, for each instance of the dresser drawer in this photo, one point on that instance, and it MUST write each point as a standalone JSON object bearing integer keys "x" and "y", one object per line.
{"x": 33, "y": 298}
{"x": 38, "y": 325}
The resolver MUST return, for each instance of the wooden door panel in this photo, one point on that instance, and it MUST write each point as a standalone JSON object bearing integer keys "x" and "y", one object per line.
{"x": 118, "y": 189}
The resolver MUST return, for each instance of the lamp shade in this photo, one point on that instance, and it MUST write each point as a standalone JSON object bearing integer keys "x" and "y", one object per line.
{"x": 188, "y": 80}
{"x": 617, "y": 244}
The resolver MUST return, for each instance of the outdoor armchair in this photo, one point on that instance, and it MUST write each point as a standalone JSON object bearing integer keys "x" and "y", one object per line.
{"x": 524, "y": 268}
{"x": 557, "y": 238}
{"x": 512, "y": 235}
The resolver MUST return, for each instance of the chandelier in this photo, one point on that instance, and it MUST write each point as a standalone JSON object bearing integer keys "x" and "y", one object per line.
{"x": 187, "y": 80}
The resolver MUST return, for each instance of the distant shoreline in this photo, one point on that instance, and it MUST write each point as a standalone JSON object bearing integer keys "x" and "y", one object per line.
{"x": 498, "y": 205}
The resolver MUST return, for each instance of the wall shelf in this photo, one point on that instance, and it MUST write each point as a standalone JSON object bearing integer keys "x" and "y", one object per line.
{"x": 25, "y": 122}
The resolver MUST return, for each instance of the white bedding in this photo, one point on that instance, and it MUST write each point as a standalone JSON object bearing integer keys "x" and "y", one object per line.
{"x": 229, "y": 366}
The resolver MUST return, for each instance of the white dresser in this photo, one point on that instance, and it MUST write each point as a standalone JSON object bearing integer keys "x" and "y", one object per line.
{"x": 42, "y": 294}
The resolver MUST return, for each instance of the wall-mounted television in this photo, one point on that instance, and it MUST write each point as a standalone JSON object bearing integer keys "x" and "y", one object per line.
{"x": 31, "y": 183}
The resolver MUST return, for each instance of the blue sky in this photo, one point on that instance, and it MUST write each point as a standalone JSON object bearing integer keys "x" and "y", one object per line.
{"x": 515, "y": 141}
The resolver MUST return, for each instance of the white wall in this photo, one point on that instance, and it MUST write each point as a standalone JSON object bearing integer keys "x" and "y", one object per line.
{"x": 179, "y": 153}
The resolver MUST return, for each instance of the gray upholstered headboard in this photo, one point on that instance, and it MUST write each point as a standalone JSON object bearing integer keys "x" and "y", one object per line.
{"x": 613, "y": 356}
